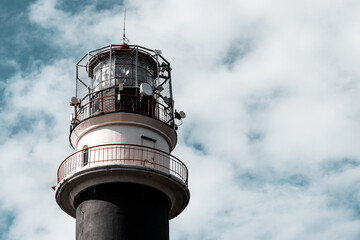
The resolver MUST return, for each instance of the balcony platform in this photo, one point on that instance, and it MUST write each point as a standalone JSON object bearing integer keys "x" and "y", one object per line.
{"x": 122, "y": 163}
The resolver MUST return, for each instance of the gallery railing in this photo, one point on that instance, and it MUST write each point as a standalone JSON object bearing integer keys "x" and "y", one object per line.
{"x": 123, "y": 154}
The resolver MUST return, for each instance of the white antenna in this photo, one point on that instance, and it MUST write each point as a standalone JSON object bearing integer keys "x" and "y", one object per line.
{"x": 124, "y": 38}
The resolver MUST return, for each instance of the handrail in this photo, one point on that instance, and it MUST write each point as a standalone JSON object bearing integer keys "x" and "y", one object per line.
{"x": 123, "y": 154}
{"x": 128, "y": 103}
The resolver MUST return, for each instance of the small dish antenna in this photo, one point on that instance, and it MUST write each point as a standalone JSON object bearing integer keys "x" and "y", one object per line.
{"x": 180, "y": 115}
{"x": 73, "y": 101}
{"x": 146, "y": 89}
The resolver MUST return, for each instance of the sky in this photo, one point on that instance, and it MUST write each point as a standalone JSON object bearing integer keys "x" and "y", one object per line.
{"x": 271, "y": 90}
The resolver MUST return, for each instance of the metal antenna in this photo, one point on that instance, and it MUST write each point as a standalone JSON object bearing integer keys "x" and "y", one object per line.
{"x": 124, "y": 38}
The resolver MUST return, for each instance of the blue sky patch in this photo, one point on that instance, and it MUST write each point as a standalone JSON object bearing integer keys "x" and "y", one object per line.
{"x": 347, "y": 198}
{"x": 297, "y": 180}
{"x": 254, "y": 136}
{"x": 74, "y": 7}
{"x": 2, "y": 93}
{"x": 190, "y": 141}
{"x": 10, "y": 7}
{"x": 235, "y": 52}
{"x": 339, "y": 165}
{"x": 250, "y": 180}
{"x": 26, "y": 123}
{"x": 269, "y": 177}
{"x": 6, "y": 220}
{"x": 23, "y": 45}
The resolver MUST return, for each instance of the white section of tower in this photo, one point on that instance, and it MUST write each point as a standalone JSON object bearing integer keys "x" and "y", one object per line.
{"x": 123, "y": 128}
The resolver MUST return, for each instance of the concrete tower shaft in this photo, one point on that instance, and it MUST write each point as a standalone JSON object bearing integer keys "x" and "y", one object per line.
{"x": 122, "y": 179}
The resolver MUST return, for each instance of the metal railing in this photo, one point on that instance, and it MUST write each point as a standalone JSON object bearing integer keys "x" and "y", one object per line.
{"x": 124, "y": 103}
{"x": 123, "y": 154}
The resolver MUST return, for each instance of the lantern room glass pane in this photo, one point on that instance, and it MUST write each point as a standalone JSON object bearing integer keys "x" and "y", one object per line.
{"x": 150, "y": 77}
{"x": 123, "y": 67}
{"x": 96, "y": 78}
{"x": 105, "y": 77}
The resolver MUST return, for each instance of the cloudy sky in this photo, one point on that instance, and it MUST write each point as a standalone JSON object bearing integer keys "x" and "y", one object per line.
{"x": 271, "y": 90}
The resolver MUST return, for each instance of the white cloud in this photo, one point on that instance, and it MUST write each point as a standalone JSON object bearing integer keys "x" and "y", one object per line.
{"x": 35, "y": 120}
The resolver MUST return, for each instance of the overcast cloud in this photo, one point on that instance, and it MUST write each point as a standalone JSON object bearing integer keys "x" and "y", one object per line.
{"x": 271, "y": 90}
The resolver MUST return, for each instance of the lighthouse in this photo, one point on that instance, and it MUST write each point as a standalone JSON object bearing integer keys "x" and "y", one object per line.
{"x": 122, "y": 181}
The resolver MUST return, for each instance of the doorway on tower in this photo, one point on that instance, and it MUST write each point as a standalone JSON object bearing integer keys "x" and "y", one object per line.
{"x": 148, "y": 154}
{"x": 152, "y": 157}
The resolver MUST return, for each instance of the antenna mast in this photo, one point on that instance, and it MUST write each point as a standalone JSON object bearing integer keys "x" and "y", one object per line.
{"x": 124, "y": 38}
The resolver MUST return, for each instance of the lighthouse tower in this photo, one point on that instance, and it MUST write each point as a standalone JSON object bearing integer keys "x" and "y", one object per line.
{"x": 122, "y": 182}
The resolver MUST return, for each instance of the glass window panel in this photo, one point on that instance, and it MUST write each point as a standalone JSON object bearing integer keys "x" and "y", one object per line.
{"x": 150, "y": 77}
{"x": 96, "y": 77}
{"x": 123, "y": 71}
{"x": 105, "y": 73}
{"x": 141, "y": 74}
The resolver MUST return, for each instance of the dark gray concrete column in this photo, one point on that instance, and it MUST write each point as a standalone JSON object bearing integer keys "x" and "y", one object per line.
{"x": 122, "y": 211}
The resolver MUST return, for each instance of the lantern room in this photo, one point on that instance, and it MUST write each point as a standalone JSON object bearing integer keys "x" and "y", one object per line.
{"x": 127, "y": 78}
